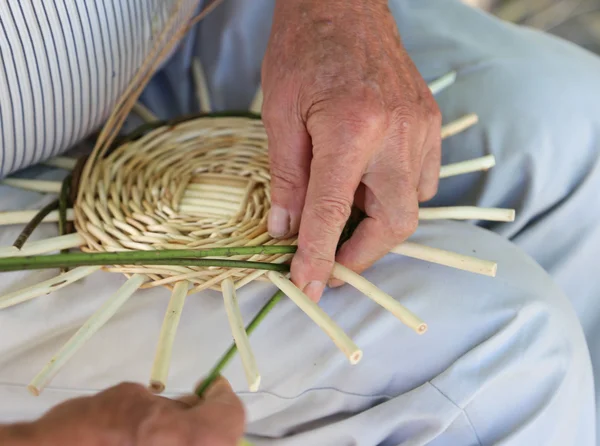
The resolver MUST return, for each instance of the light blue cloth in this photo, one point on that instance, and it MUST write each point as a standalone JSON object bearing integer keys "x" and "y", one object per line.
{"x": 538, "y": 99}
{"x": 505, "y": 360}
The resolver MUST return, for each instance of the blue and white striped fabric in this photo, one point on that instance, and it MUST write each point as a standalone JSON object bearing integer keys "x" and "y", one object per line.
{"x": 63, "y": 65}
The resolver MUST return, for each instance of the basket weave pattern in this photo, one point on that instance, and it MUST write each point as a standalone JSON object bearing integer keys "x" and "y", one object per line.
{"x": 203, "y": 183}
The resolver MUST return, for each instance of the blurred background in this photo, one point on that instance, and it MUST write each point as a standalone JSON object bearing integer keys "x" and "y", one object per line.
{"x": 574, "y": 20}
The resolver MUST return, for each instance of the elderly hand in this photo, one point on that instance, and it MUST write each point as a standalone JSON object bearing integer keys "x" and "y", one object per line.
{"x": 349, "y": 121}
{"x": 129, "y": 415}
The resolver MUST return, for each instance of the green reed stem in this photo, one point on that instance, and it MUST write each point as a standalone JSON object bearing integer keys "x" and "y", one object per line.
{"x": 186, "y": 257}
{"x": 229, "y": 354}
{"x": 64, "y": 261}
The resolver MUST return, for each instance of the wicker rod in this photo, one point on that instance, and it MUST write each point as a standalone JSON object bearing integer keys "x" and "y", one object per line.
{"x": 93, "y": 324}
{"x": 318, "y": 316}
{"x": 162, "y": 359}
{"x": 240, "y": 336}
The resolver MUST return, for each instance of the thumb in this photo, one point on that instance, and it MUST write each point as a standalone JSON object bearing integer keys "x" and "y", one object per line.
{"x": 220, "y": 391}
{"x": 222, "y": 411}
{"x": 289, "y": 158}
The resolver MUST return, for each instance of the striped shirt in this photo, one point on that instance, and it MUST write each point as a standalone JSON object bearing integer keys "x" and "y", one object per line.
{"x": 63, "y": 64}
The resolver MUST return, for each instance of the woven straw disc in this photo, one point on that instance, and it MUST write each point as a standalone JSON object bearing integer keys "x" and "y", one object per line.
{"x": 201, "y": 183}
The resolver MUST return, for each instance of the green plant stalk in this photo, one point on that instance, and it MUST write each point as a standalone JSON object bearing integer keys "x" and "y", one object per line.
{"x": 35, "y": 221}
{"x": 229, "y": 354}
{"x": 63, "y": 261}
{"x": 179, "y": 256}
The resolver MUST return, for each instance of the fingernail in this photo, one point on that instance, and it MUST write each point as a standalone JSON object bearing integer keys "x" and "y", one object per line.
{"x": 218, "y": 388}
{"x": 335, "y": 283}
{"x": 314, "y": 290}
{"x": 279, "y": 222}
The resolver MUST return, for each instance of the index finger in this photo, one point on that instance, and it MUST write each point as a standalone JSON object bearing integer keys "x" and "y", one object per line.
{"x": 341, "y": 151}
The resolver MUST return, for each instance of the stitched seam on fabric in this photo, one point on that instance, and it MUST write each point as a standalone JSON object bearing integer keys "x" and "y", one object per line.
{"x": 463, "y": 411}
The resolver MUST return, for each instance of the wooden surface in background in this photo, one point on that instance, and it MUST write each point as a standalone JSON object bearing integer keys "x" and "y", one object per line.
{"x": 575, "y": 20}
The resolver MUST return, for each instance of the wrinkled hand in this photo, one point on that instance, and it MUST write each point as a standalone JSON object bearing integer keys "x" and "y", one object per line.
{"x": 128, "y": 414}
{"x": 349, "y": 121}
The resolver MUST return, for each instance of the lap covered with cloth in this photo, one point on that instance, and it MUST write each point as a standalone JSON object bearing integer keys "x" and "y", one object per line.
{"x": 505, "y": 360}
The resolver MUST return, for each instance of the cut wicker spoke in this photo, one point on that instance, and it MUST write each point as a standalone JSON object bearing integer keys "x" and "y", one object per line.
{"x": 344, "y": 274}
{"x": 61, "y": 162}
{"x": 447, "y": 258}
{"x": 201, "y": 86}
{"x": 460, "y": 125}
{"x": 51, "y": 187}
{"x": 229, "y": 354}
{"x": 318, "y": 316}
{"x": 47, "y": 286}
{"x": 257, "y": 102}
{"x": 467, "y": 213}
{"x": 93, "y": 324}
{"x": 440, "y": 84}
{"x": 474, "y": 165}
{"x": 240, "y": 336}
{"x": 162, "y": 359}
{"x": 45, "y": 246}
{"x": 24, "y": 217}
{"x": 144, "y": 113}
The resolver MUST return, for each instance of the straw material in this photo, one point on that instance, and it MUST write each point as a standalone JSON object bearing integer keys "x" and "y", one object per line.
{"x": 202, "y": 183}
